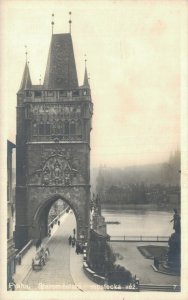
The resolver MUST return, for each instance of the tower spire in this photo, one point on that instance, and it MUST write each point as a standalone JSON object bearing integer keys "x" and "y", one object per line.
{"x": 26, "y": 79}
{"x": 61, "y": 68}
{"x": 26, "y": 53}
{"x": 70, "y": 21}
{"x": 52, "y": 23}
{"x": 88, "y": 78}
{"x": 86, "y": 82}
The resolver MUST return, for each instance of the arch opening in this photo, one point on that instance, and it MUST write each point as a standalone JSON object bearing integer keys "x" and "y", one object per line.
{"x": 53, "y": 213}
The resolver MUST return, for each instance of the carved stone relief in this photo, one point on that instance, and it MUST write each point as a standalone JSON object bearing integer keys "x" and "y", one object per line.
{"x": 57, "y": 170}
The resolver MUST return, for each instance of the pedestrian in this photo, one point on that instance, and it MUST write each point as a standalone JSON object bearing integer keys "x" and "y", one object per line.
{"x": 77, "y": 248}
{"x": 47, "y": 250}
{"x": 81, "y": 249}
{"x": 73, "y": 242}
{"x": 58, "y": 223}
{"x": 74, "y": 231}
{"x": 70, "y": 240}
{"x": 49, "y": 232}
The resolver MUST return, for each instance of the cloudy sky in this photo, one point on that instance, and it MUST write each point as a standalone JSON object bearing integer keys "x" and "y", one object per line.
{"x": 134, "y": 57}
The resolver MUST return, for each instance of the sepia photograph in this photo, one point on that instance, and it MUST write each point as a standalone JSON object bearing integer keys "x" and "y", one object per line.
{"x": 94, "y": 149}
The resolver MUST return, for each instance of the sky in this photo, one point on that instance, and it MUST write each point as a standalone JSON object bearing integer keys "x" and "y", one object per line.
{"x": 134, "y": 58}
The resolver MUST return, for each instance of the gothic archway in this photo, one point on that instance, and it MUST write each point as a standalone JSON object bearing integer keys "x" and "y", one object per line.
{"x": 39, "y": 227}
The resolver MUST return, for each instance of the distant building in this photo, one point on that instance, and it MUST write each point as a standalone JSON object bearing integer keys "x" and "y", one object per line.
{"x": 11, "y": 253}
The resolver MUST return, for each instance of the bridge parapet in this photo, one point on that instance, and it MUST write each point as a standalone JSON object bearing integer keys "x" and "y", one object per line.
{"x": 139, "y": 238}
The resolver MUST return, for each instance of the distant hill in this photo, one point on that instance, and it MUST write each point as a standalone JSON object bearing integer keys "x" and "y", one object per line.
{"x": 167, "y": 173}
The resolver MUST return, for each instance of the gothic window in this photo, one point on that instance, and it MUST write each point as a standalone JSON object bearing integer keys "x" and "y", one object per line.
{"x": 50, "y": 94}
{"x": 78, "y": 127}
{"x": 63, "y": 93}
{"x": 84, "y": 92}
{"x": 54, "y": 127}
{"x": 41, "y": 129}
{"x": 38, "y": 93}
{"x": 47, "y": 129}
{"x": 58, "y": 127}
{"x": 75, "y": 93}
{"x": 72, "y": 127}
{"x": 28, "y": 94}
{"x": 34, "y": 128}
{"x": 61, "y": 127}
{"x": 44, "y": 129}
{"x": 66, "y": 127}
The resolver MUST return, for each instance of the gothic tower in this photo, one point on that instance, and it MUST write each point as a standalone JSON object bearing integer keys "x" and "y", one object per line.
{"x": 53, "y": 144}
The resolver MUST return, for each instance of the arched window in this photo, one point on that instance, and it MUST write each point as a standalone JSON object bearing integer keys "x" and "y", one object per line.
{"x": 61, "y": 127}
{"x": 53, "y": 127}
{"x": 72, "y": 127}
{"x": 47, "y": 129}
{"x": 41, "y": 129}
{"x": 58, "y": 127}
{"x": 66, "y": 127}
{"x": 35, "y": 128}
{"x": 79, "y": 127}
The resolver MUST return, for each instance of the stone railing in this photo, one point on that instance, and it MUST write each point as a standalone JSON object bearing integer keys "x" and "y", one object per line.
{"x": 23, "y": 251}
{"x": 92, "y": 275}
{"x": 139, "y": 238}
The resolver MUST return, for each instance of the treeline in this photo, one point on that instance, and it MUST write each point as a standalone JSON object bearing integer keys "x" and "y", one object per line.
{"x": 134, "y": 184}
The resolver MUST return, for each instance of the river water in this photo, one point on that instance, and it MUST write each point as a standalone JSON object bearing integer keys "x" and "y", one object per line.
{"x": 138, "y": 222}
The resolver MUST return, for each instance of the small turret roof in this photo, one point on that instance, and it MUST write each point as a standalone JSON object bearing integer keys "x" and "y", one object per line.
{"x": 26, "y": 79}
{"x": 86, "y": 81}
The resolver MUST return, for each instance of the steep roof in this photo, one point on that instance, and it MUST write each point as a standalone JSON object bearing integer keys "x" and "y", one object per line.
{"x": 26, "y": 79}
{"x": 86, "y": 81}
{"x": 61, "y": 68}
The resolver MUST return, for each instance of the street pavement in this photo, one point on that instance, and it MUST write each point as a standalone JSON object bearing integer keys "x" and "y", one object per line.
{"x": 64, "y": 268}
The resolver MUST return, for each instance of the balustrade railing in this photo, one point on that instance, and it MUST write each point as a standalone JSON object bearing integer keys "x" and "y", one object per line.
{"x": 139, "y": 238}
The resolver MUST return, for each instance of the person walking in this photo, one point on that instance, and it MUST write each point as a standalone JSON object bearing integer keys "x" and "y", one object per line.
{"x": 73, "y": 242}
{"x": 70, "y": 239}
{"x": 74, "y": 231}
{"x": 77, "y": 248}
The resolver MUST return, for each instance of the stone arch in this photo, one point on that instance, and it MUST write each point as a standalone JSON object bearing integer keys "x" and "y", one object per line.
{"x": 40, "y": 218}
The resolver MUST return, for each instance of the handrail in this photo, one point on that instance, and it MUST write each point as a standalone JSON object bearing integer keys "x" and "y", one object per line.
{"x": 139, "y": 238}
{"x": 57, "y": 217}
{"x": 25, "y": 249}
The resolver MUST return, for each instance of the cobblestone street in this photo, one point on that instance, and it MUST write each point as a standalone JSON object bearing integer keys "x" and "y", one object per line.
{"x": 56, "y": 274}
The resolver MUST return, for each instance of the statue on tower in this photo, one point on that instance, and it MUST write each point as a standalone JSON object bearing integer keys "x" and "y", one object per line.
{"x": 176, "y": 221}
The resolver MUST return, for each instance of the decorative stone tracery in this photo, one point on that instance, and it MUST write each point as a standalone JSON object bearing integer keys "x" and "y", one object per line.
{"x": 56, "y": 170}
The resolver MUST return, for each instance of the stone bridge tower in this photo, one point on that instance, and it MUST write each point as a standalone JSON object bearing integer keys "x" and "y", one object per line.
{"x": 53, "y": 144}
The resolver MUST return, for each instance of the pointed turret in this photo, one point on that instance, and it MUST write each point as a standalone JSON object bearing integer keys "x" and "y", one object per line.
{"x": 61, "y": 68}
{"x": 26, "y": 79}
{"x": 86, "y": 81}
